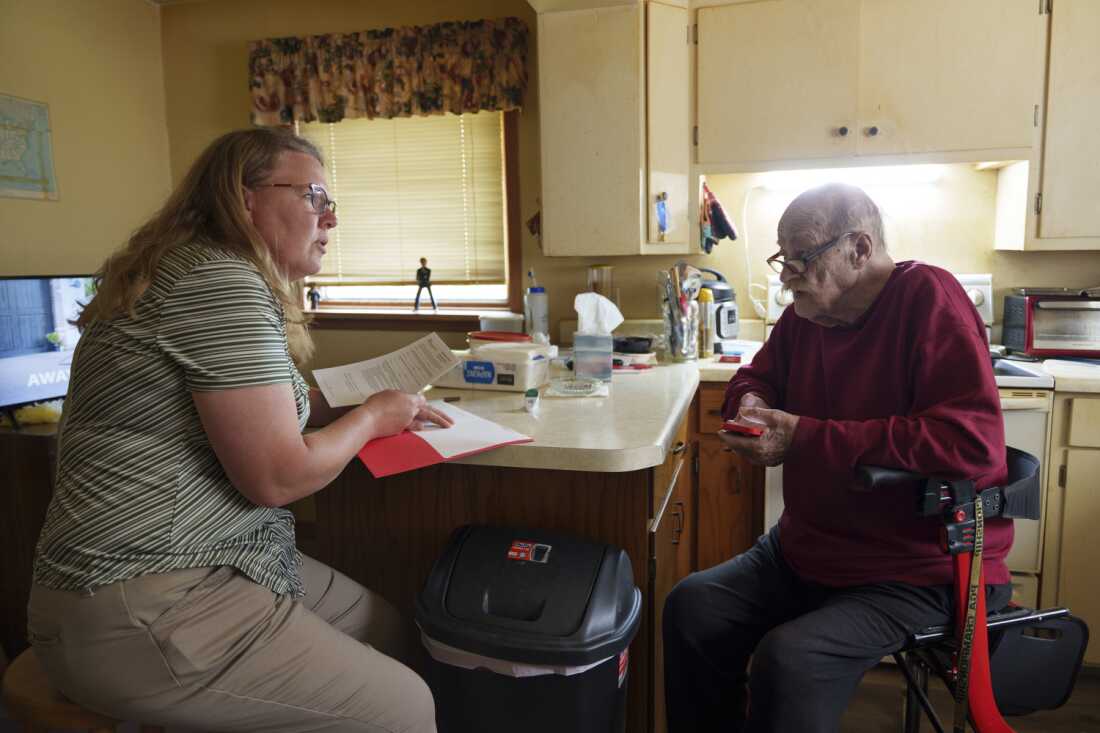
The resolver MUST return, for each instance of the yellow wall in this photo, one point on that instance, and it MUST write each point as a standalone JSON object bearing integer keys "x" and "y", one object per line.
{"x": 948, "y": 223}
{"x": 97, "y": 64}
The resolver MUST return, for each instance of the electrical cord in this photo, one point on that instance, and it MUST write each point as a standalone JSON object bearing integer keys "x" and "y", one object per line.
{"x": 759, "y": 306}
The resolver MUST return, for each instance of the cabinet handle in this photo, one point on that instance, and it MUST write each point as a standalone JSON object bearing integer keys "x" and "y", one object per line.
{"x": 842, "y": 131}
{"x": 677, "y": 521}
{"x": 666, "y": 501}
{"x": 716, "y": 413}
{"x": 871, "y": 131}
{"x": 679, "y": 448}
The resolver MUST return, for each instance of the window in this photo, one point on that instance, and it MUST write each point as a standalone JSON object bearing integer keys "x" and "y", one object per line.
{"x": 407, "y": 188}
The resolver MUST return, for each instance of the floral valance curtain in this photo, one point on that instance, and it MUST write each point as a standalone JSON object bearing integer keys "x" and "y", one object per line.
{"x": 394, "y": 72}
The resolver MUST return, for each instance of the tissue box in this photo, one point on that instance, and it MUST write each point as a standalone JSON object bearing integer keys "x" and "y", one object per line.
{"x": 475, "y": 372}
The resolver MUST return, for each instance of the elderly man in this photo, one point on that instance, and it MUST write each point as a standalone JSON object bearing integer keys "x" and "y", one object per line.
{"x": 877, "y": 363}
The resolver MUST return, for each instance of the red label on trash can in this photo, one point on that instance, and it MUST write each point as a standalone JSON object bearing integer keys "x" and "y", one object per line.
{"x": 624, "y": 657}
{"x": 521, "y": 550}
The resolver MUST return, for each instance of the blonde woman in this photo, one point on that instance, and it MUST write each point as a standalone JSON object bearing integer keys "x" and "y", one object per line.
{"x": 167, "y": 585}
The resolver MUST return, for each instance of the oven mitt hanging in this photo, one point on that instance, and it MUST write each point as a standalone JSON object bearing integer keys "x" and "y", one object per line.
{"x": 714, "y": 224}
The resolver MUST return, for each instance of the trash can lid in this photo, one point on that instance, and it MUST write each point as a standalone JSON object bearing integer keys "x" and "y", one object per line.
{"x": 530, "y": 596}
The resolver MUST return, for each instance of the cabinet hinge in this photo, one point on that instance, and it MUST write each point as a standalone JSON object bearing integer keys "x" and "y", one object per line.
{"x": 695, "y": 34}
{"x": 695, "y": 464}
{"x": 1039, "y": 203}
{"x": 1062, "y": 476}
{"x": 1044, "y": 7}
{"x": 1035, "y": 117}
{"x": 695, "y": 135}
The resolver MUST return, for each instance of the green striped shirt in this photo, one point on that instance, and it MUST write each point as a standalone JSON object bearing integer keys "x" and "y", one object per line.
{"x": 139, "y": 489}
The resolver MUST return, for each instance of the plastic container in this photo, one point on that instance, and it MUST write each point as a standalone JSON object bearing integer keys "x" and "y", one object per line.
{"x": 592, "y": 356}
{"x": 536, "y": 310}
{"x": 500, "y": 373}
{"x": 528, "y": 631}
{"x": 506, "y": 322}
{"x": 482, "y": 338}
{"x": 706, "y": 323}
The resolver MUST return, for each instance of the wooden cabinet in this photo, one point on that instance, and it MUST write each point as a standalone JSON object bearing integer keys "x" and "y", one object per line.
{"x": 1063, "y": 174}
{"x": 671, "y": 534}
{"x": 28, "y": 459}
{"x": 777, "y": 80}
{"x": 614, "y": 101}
{"x": 730, "y": 490}
{"x": 783, "y": 80}
{"x": 387, "y": 533}
{"x": 1071, "y": 554}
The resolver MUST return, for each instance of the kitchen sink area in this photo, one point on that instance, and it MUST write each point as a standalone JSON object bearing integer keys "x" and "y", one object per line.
{"x": 1021, "y": 374}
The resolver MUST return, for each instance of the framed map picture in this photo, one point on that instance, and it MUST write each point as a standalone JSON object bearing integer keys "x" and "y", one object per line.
{"x": 26, "y": 155}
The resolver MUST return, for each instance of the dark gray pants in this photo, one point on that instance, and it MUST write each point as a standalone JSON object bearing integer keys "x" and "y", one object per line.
{"x": 809, "y": 644}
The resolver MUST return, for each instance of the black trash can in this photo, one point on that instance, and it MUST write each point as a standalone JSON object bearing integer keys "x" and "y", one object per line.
{"x": 528, "y": 630}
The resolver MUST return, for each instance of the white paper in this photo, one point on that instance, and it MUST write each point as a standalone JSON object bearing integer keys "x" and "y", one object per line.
{"x": 470, "y": 433}
{"x": 409, "y": 369}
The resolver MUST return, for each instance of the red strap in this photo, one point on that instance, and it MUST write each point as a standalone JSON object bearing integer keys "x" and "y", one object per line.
{"x": 984, "y": 714}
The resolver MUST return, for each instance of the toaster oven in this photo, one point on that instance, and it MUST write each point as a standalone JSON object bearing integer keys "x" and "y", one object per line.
{"x": 1052, "y": 325}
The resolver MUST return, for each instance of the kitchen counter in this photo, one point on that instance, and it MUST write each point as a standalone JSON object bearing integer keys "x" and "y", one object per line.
{"x": 616, "y": 469}
{"x": 631, "y": 429}
{"x": 712, "y": 370}
{"x": 1072, "y": 376}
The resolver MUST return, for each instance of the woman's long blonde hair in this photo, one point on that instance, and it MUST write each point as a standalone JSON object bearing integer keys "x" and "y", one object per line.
{"x": 207, "y": 207}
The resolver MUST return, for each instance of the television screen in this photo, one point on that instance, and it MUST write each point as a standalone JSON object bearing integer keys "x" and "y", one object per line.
{"x": 36, "y": 338}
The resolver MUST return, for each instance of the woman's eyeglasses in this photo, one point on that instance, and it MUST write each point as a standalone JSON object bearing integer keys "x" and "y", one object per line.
{"x": 318, "y": 197}
{"x": 799, "y": 265}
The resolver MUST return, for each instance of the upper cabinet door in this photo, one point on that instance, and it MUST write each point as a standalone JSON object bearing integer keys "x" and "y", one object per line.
{"x": 1069, "y": 180}
{"x": 945, "y": 75}
{"x": 592, "y": 118}
{"x": 777, "y": 80}
{"x": 668, "y": 129}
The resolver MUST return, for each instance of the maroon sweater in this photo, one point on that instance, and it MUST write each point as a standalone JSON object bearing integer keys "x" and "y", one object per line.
{"x": 909, "y": 386}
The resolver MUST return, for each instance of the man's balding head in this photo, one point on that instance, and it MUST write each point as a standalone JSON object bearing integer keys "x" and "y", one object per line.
{"x": 828, "y": 211}
{"x": 839, "y": 228}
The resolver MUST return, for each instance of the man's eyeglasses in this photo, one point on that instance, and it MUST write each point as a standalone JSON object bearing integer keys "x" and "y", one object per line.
{"x": 318, "y": 197}
{"x": 799, "y": 265}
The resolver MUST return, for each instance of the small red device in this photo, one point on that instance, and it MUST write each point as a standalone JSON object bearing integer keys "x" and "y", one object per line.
{"x": 736, "y": 427}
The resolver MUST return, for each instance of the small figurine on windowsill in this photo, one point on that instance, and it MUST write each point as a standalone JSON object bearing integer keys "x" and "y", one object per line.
{"x": 423, "y": 280}
{"x": 314, "y": 296}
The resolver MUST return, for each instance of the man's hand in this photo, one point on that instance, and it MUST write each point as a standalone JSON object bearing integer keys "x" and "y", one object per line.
{"x": 770, "y": 449}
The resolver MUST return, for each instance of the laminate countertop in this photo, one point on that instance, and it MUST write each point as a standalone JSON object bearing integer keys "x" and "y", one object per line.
{"x": 1073, "y": 376}
{"x": 629, "y": 430}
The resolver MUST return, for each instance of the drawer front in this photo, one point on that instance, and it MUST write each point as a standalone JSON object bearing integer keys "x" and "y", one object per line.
{"x": 710, "y": 408}
{"x": 1084, "y": 422}
{"x": 663, "y": 474}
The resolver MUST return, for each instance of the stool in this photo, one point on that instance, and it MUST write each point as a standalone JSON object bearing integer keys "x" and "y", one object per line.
{"x": 32, "y": 700}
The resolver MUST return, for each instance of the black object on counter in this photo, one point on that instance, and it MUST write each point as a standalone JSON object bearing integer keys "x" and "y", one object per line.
{"x": 719, "y": 287}
{"x": 533, "y": 598}
{"x": 631, "y": 344}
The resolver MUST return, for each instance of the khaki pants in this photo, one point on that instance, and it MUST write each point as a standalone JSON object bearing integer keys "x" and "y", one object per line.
{"x": 211, "y": 650}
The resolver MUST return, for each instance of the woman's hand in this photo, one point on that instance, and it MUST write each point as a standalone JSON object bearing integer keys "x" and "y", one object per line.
{"x": 393, "y": 411}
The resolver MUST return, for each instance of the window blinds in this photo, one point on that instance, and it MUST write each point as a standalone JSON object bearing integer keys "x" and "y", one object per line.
{"x": 414, "y": 187}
